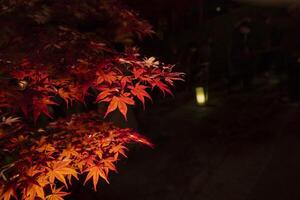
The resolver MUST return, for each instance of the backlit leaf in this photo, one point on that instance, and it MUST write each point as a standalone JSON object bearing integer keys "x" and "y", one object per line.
{"x": 58, "y": 170}
{"x": 57, "y": 194}
{"x": 95, "y": 172}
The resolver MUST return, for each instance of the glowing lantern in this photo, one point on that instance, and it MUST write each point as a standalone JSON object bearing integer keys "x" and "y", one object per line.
{"x": 201, "y": 96}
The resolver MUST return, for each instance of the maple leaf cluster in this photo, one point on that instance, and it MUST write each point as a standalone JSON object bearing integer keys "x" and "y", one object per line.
{"x": 119, "y": 81}
{"x": 81, "y": 145}
{"x": 49, "y": 59}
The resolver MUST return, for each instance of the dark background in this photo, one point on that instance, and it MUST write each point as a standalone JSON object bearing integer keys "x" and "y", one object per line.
{"x": 244, "y": 143}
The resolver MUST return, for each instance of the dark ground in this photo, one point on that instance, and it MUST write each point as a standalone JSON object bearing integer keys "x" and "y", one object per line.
{"x": 245, "y": 147}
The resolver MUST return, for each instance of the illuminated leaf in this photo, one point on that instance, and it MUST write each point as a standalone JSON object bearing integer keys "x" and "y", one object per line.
{"x": 118, "y": 149}
{"x": 162, "y": 86}
{"x": 9, "y": 192}
{"x": 109, "y": 77}
{"x": 33, "y": 191}
{"x": 104, "y": 94}
{"x": 140, "y": 92}
{"x": 10, "y": 120}
{"x": 59, "y": 66}
{"x": 121, "y": 103}
{"x": 95, "y": 172}
{"x": 58, "y": 170}
{"x": 138, "y": 72}
{"x": 124, "y": 81}
{"x": 69, "y": 152}
{"x": 57, "y": 194}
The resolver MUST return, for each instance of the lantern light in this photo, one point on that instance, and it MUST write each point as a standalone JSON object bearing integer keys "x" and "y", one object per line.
{"x": 201, "y": 96}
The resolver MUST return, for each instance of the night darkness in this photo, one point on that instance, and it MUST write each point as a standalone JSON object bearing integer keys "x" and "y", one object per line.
{"x": 231, "y": 131}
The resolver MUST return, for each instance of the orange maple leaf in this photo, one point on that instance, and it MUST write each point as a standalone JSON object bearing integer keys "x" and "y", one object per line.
{"x": 120, "y": 103}
{"x": 95, "y": 172}
{"x": 68, "y": 152}
{"x": 6, "y": 193}
{"x": 104, "y": 94}
{"x": 46, "y": 148}
{"x": 109, "y": 164}
{"x": 57, "y": 194}
{"x": 118, "y": 149}
{"x": 109, "y": 77}
{"x": 59, "y": 169}
{"x": 34, "y": 190}
{"x": 35, "y": 183}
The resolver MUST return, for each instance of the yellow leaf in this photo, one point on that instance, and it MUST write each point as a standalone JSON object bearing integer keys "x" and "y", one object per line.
{"x": 59, "y": 169}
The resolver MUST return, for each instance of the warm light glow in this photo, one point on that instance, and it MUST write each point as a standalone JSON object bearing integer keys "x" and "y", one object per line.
{"x": 200, "y": 95}
{"x": 218, "y": 9}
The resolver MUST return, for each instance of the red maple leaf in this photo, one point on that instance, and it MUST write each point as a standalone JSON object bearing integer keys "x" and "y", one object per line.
{"x": 140, "y": 92}
{"x": 138, "y": 72}
{"x": 108, "y": 77}
{"x": 107, "y": 92}
{"x": 121, "y": 103}
{"x": 162, "y": 86}
{"x": 124, "y": 81}
{"x": 40, "y": 106}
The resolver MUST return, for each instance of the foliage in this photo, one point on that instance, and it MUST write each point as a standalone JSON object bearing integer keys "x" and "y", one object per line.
{"x": 52, "y": 57}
